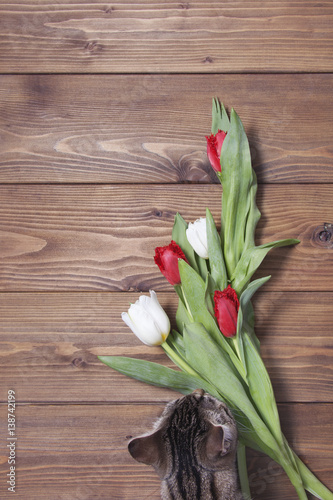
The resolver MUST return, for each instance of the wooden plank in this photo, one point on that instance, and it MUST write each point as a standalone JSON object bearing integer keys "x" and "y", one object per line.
{"x": 140, "y": 37}
{"x": 80, "y": 451}
{"x": 283, "y": 314}
{"x": 103, "y": 237}
{"x": 151, "y": 128}
{"x": 47, "y": 338}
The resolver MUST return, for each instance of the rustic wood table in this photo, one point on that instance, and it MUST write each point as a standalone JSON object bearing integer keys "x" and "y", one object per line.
{"x": 104, "y": 109}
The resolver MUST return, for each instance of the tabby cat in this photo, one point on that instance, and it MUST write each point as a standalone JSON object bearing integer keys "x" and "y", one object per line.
{"x": 193, "y": 449}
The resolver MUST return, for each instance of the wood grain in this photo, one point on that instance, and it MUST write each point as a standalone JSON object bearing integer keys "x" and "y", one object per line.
{"x": 80, "y": 452}
{"x": 99, "y": 238}
{"x": 141, "y": 37}
{"x": 150, "y": 128}
{"x": 104, "y": 109}
{"x": 49, "y": 339}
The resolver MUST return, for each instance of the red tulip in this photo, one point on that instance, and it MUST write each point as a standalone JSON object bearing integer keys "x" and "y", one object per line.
{"x": 214, "y": 146}
{"x": 167, "y": 260}
{"x": 226, "y": 311}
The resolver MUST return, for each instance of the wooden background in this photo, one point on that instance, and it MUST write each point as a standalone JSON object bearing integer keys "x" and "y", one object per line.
{"x": 104, "y": 108}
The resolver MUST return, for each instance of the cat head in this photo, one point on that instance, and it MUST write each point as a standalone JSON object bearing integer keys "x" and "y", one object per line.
{"x": 196, "y": 428}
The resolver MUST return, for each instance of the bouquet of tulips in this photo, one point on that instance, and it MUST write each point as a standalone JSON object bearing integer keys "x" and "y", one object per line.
{"x": 215, "y": 346}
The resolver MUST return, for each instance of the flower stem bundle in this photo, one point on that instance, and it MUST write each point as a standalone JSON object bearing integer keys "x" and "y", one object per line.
{"x": 214, "y": 345}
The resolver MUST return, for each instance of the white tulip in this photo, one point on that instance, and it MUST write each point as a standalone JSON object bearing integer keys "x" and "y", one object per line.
{"x": 196, "y": 234}
{"x": 148, "y": 320}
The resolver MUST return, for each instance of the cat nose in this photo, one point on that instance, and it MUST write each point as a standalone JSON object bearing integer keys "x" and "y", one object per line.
{"x": 198, "y": 392}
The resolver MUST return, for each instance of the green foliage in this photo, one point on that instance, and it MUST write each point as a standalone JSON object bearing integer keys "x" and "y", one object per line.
{"x": 230, "y": 369}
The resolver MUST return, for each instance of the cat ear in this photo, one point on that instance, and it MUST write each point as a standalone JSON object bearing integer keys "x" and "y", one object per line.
{"x": 147, "y": 448}
{"x": 216, "y": 444}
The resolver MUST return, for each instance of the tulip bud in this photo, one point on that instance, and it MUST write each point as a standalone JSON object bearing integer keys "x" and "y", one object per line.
{"x": 196, "y": 234}
{"x": 214, "y": 146}
{"x": 148, "y": 320}
{"x": 167, "y": 260}
{"x": 226, "y": 311}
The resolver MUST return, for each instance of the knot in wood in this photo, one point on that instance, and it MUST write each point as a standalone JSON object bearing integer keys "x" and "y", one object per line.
{"x": 109, "y": 10}
{"x": 78, "y": 362}
{"x": 93, "y": 47}
{"x": 208, "y": 60}
{"x": 323, "y": 235}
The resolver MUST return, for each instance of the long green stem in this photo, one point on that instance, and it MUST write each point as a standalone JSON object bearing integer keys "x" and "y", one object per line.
{"x": 311, "y": 483}
{"x": 281, "y": 456}
{"x": 295, "y": 478}
{"x": 187, "y": 304}
{"x": 178, "y": 360}
{"x": 285, "y": 457}
{"x": 242, "y": 471}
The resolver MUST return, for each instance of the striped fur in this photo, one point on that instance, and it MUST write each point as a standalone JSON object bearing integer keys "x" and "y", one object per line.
{"x": 193, "y": 449}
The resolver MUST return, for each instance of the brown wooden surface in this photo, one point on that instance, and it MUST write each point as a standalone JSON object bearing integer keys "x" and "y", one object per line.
{"x": 150, "y": 128}
{"x": 48, "y": 337}
{"x": 132, "y": 36}
{"x": 103, "y": 237}
{"x": 71, "y": 463}
{"x": 103, "y": 113}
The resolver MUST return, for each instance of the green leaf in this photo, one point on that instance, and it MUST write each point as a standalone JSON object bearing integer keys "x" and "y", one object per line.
{"x": 176, "y": 341}
{"x": 161, "y": 376}
{"x": 239, "y": 210}
{"x": 182, "y": 315}
{"x": 153, "y": 373}
{"x": 261, "y": 388}
{"x": 251, "y": 260}
{"x": 194, "y": 291}
{"x": 251, "y": 290}
{"x": 209, "y": 294}
{"x": 179, "y": 236}
{"x": 213, "y": 365}
{"x": 311, "y": 483}
{"x": 249, "y": 437}
{"x": 220, "y": 120}
{"x": 215, "y": 254}
{"x": 202, "y": 266}
{"x": 253, "y": 214}
{"x": 203, "y": 353}
{"x": 244, "y": 302}
{"x": 245, "y": 319}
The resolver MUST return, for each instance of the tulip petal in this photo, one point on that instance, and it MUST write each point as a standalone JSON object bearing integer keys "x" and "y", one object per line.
{"x": 212, "y": 153}
{"x": 167, "y": 260}
{"x": 125, "y": 317}
{"x": 226, "y": 310}
{"x": 148, "y": 320}
{"x": 179, "y": 236}
{"x": 220, "y": 136}
{"x": 196, "y": 234}
{"x": 159, "y": 315}
{"x": 146, "y": 328}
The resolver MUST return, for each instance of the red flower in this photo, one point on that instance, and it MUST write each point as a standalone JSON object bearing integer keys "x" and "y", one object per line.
{"x": 214, "y": 146}
{"x": 226, "y": 310}
{"x": 167, "y": 260}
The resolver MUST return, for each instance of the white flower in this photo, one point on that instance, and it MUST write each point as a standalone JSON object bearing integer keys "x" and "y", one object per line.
{"x": 196, "y": 234}
{"x": 148, "y": 320}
